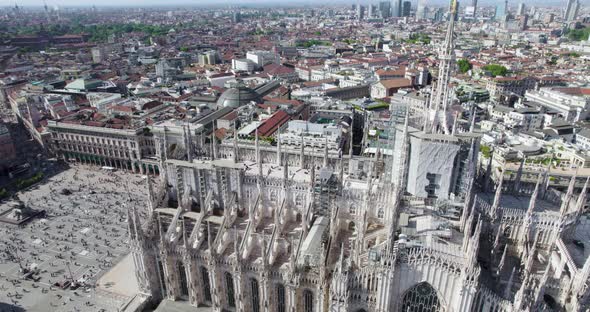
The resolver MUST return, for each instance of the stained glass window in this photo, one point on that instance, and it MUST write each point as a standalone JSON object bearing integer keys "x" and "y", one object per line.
{"x": 281, "y": 298}
{"x": 308, "y": 301}
{"x": 255, "y": 295}
{"x": 183, "y": 280}
{"x": 229, "y": 285}
{"x": 421, "y": 298}
{"x": 206, "y": 284}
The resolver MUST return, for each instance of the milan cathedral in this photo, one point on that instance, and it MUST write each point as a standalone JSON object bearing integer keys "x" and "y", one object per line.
{"x": 237, "y": 226}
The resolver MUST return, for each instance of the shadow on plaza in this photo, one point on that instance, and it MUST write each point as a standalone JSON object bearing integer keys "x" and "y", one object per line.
{"x": 48, "y": 168}
{"x": 30, "y": 159}
{"x": 6, "y": 307}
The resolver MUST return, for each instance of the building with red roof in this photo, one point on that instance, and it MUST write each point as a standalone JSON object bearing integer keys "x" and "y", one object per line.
{"x": 270, "y": 126}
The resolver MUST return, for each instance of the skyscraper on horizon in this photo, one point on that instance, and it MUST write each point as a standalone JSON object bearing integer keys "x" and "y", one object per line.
{"x": 397, "y": 7}
{"x": 571, "y": 10}
{"x": 501, "y": 10}
{"x": 360, "y": 12}
{"x": 406, "y": 8}
{"x": 385, "y": 8}
{"x": 521, "y": 9}
{"x": 421, "y": 10}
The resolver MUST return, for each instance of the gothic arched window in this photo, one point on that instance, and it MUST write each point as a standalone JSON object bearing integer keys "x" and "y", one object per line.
{"x": 281, "y": 298}
{"x": 421, "y": 298}
{"x": 162, "y": 276}
{"x": 380, "y": 213}
{"x": 183, "y": 280}
{"x": 352, "y": 209}
{"x": 307, "y": 301}
{"x": 229, "y": 285}
{"x": 299, "y": 200}
{"x": 206, "y": 284}
{"x": 507, "y": 231}
{"x": 255, "y": 295}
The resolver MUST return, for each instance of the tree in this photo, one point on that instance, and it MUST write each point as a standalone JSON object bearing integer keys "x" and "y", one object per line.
{"x": 464, "y": 65}
{"x": 496, "y": 70}
{"x": 419, "y": 38}
{"x": 578, "y": 34}
{"x": 485, "y": 150}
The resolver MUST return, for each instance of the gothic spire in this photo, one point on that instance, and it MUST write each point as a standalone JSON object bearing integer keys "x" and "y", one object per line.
{"x": 213, "y": 146}
{"x": 251, "y": 213}
{"x": 326, "y": 154}
{"x": 236, "y": 157}
{"x": 568, "y": 196}
{"x": 209, "y": 238}
{"x": 351, "y": 133}
{"x": 454, "y": 131}
{"x": 496, "y": 203}
{"x": 472, "y": 158}
{"x": 488, "y": 174}
{"x": 467, "y": 232}
{"x": 582, "y": 199}
{"x": 439, "y": 100}
{"x": 285, "y": 173}
{"x": 150, "y": 190}
{"x": 540, "y": 291}
{"x": 189, "y": 143}
{"x": 341, "y": 173}
{"x": 302, "y": 153}
{"x": 236, "y": 244}
{"x": 279, "y": 156}
{"x": 473, "y": 248}
{"x": 581, "y": 280}
{"x": 519, "y": 175}
{"x": 258, "y": 155}
{"x": 502, "y": 261}
{"x": 528, "y": 219}
{"x": 131, "y": 224}
{"x": 534, "y": 196}
{"x": 185, "y": 140}
{"x": 264, "y": 249}
{"x": 508, "y": 289}
{"x": 472, "y": 123}
{"x": 165, "y": 144}
{"x": 312, "y": 175}
{"x": 341, "y": 266}
{"x": 528, "y": 264}
{"x": 497, "y": 239}
{"x": 257, "y": 146}
{"x": 546, "y": 180}
{"x": 401, "y": 169}
{"x": 468, "y": 208}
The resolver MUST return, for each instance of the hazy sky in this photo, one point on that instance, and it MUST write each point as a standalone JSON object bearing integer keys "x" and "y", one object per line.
{"x": 266, "y": 2}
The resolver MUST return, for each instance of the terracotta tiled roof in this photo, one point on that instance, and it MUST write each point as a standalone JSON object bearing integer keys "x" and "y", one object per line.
{"x": 230, "y": 116}
{"x": 575, "y": 91}
{"x": 396, "y": 83}
{"x": 270, "y": 125}
{"x": 396, "y": 72}
{"x": 126, "y": 109}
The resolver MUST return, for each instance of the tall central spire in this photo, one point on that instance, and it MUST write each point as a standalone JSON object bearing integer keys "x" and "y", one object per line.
{"x": 439, "y": 101}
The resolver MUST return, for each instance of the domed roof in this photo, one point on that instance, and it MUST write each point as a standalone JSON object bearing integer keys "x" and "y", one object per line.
{"x": 237, "y": 96}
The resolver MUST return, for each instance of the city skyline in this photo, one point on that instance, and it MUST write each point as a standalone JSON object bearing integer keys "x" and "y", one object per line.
{"x": 266, "y": 3}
